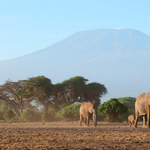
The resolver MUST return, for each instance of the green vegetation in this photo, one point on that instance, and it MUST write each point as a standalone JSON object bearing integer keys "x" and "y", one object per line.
{"x": 82, "y": 92}
{"x": 31, "y": 115}
{"x": 19, "y": 95}
{"x": 6, "y": 112}
{"x": 3, "y": 108}
{"x": 9, "y": 114}
{"x": 44, "y": 91}
{"x": 70, "y": 112}
{"x": 58, "y": 100}
{"x": 112, "y": 109}
{"x": 129, "y": 102}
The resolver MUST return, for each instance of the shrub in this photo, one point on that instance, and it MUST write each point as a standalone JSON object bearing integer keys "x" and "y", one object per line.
{"x": 44, "y": 117}
{"x": 15, "y": 119}
{"x": 1, "y": 116}
{"x": 112, "y": 109}
{"x": 70, "y": 112}
{"x": 9, "y": 122}
{"x": 4, "y": 107}
{"x": 9, "y": 114}
{"x": 129, "y": 102}
{"x": 30, "y": 115}
{"x": 43, "y": 122}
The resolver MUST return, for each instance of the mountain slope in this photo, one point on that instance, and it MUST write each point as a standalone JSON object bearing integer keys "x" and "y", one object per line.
{"x": 117, "y": 58}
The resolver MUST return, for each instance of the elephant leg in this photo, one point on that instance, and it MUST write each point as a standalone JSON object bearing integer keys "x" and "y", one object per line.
{"x": 136, "y": 119}
{"x": 95, "y": 121}
{"x": 81, "y": 118}
{"x": 132, "y": 122}
{"x": 85, "y": 120}
{"x": 148, "y": 115}
{"x": 144, "y": 121}
{"x": 88, "y": 120}
{"x": 129, "y": 123}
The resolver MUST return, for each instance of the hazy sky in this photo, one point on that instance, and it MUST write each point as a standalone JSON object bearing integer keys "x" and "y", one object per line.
{"x": 29, "y": 25}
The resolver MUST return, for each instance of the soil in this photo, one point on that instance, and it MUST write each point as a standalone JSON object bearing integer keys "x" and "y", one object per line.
{"x": 69, "y": 135}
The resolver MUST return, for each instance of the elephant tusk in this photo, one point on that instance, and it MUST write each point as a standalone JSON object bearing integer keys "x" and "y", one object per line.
{"x": 94, "y": 115}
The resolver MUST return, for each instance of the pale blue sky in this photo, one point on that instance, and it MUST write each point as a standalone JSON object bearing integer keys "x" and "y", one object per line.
{"x": 29, "y": 25}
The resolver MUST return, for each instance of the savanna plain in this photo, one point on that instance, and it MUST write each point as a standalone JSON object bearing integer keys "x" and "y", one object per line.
{"x": 69, "y": 135}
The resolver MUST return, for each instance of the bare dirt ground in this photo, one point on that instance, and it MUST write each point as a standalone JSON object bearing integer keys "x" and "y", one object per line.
{"x": 69, "y": 135}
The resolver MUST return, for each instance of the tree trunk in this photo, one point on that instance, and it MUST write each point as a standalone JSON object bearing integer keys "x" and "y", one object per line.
{"x": 112, "y": 118}
{"x": 46, "y": 111}
{"x": 21, "y": 108}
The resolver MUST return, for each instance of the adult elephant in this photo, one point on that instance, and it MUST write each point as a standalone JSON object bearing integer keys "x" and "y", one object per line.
{"x": 87, "y": 110}
{"x": 142, "y": 108}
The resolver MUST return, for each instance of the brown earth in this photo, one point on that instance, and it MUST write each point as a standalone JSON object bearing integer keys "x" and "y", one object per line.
{"x": 69, "y": 135}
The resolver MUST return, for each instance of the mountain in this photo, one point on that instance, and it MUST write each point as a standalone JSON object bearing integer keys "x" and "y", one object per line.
{"x": 117, "y": 58}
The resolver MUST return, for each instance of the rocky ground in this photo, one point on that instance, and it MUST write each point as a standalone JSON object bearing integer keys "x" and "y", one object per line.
{"x": 69, "y": 135}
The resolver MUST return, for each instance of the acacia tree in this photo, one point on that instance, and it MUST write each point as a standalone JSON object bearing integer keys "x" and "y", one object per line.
{"x": 15, "y": 95}
{"x": 112, "y": 109}
{"x": 77, "y": 90}
{"x": 62, "y": 94}
{"x": 94, "y": 91}
{"x": 40, "y": 88}
{"x": 43, "y": 90}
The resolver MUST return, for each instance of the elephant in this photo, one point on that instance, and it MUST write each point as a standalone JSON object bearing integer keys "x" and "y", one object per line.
{"x": 142, "y": 108}
{"x": 131, "y": 119}
{"x": 87, "y": 110}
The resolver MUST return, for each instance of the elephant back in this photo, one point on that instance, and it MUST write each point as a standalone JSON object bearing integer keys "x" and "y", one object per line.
{"x": 87, "y": 107}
